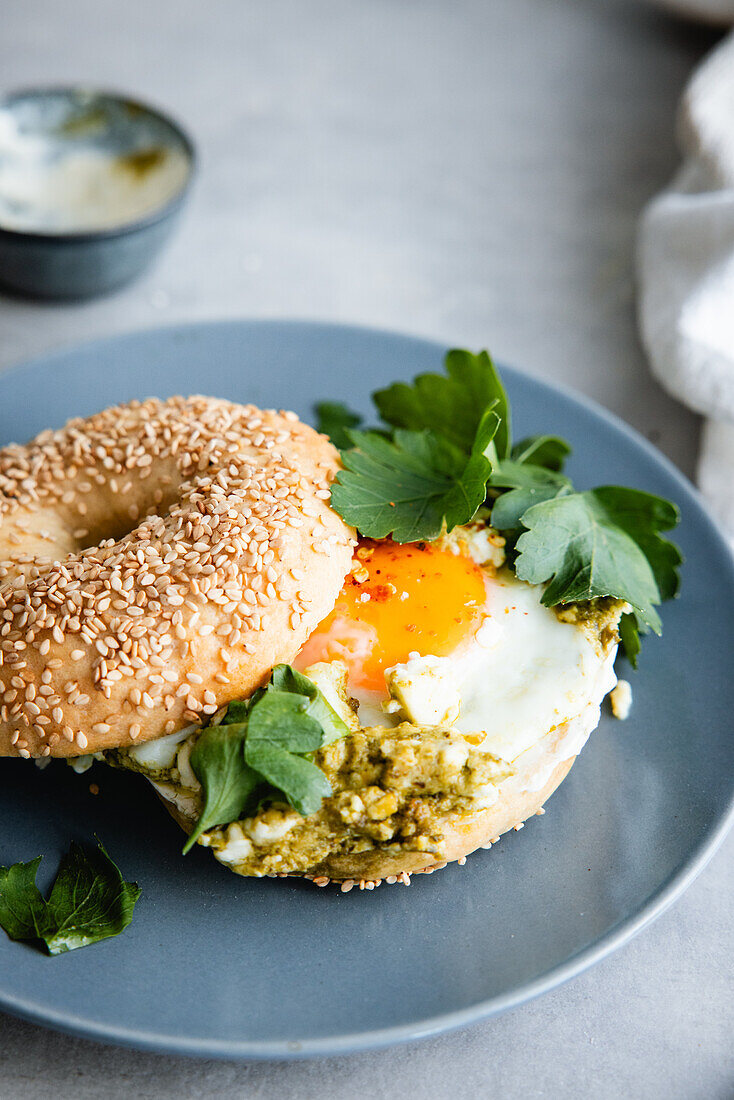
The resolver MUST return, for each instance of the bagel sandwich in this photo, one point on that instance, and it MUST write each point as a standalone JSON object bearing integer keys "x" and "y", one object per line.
{"x": 350, "y": 665}
{"x": 448, "y": 751}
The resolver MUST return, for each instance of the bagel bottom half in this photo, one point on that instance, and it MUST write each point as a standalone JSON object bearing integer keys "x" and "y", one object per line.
{"x": 462, "y": 836}
{"x": 426, "y": 797}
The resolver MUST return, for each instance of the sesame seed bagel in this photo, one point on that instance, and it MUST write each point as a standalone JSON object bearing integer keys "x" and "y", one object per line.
{"x": 156, "y": 560}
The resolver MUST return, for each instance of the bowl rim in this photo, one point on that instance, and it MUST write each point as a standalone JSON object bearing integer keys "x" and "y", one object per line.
{"x": 91, "y": 235}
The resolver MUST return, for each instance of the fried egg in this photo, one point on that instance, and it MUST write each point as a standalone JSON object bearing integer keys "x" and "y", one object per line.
{"x": 443, "y": 634}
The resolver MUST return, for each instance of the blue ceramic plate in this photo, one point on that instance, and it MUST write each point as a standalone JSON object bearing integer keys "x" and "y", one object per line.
{"x": 216, "y": 965}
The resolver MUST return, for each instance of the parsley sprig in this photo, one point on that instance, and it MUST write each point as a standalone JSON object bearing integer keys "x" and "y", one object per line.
{"x": 445, "y": 448}
{"x": 260, "y": 752}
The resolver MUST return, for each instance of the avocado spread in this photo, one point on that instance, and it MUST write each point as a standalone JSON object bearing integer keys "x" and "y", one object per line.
{"x": 393, "y": 790}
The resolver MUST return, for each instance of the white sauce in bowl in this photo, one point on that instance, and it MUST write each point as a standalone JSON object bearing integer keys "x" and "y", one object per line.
{"x": 82, "y": 189}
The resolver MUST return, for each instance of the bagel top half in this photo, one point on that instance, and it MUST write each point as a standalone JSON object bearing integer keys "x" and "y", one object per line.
{"x": 156, "y": 561}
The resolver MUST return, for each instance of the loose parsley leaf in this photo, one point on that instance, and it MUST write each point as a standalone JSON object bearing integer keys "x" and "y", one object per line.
{"x": 262, "y": 754}
{"x": 22, "y": 906}
{"x": 414, "y": 487}
{"x": 333, "y": 419}
{"x": 574, "y": 542}
{"x": 453, "y": 406}
{"x": 227, "y": 780}
{"x": 542, "y": 450}
{"x": 89, "y": 901}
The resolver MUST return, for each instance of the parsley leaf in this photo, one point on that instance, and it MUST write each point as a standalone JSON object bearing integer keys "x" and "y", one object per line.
{"x": 643, "y": 516}
{"x": 451, "y": 405}
{"x": 22, "y": 907}
{"x": 259, "y": 751}
{"x": 278, "y": 730}
{"x": 508, "y": 511}
{"x": 528, "y": 485}
{"x": 517, "y": 475}
{"x": 89, "y": 901}
{"x": 414, "y": 487}
{"x": 228, "y": 782}
{"x": 286, "y": 678}
{"x": 542, "y": 450}
{"x": 333, "y": 419}
{"x": 576, "y": 542}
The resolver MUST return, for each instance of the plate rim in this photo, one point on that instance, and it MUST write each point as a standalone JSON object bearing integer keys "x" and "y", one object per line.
{"x": 654, "y": 905}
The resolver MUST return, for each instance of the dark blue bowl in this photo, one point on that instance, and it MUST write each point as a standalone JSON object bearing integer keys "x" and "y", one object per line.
{"x": 47, "y": 255}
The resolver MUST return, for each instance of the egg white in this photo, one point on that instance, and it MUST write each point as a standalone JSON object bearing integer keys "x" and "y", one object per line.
{"x": 523, "y": 673}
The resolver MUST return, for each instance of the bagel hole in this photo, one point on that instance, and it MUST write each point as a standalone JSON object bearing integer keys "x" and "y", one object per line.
{"x": 117, "y": 523}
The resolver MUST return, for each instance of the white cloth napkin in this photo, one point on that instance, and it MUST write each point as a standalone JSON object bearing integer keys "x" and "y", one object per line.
{"x": 686, "y": 274}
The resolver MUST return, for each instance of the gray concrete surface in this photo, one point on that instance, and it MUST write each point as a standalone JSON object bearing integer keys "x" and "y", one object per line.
{"x": 470, "y": 170}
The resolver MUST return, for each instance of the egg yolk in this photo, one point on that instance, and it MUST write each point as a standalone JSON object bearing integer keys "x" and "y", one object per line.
{"x": 398, "y": 600}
